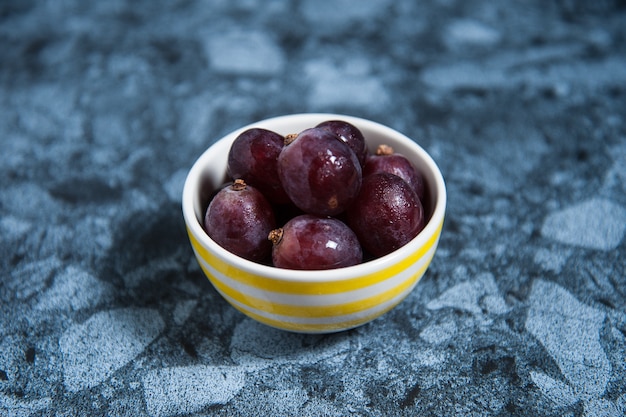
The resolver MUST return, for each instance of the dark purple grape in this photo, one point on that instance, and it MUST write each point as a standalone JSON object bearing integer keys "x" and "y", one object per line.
{"x": 252, "y": 157}
{"x": 349, "y": 134}
{"x": 239, "y": 219}
{"x": 319, "y": 172}
{"x": 386, "y": 160}
{"x": 386, "y": 214}
{"x": 312, "y": 242}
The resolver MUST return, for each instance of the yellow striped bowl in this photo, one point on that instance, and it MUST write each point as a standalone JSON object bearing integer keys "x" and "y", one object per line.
{"x": 313, "y": 301}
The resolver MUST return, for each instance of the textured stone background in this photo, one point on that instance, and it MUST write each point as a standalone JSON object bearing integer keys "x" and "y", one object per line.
{"x": 105, "y": 105}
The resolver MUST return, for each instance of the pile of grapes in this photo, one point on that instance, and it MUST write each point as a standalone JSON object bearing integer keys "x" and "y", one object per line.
{"x": 315, "y": 200}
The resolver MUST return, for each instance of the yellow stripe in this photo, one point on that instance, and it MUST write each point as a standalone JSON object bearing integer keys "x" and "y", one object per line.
{"x": 314, "y": 311}
{"x": 301, "y": 287}
{"x": 316, "y": 327}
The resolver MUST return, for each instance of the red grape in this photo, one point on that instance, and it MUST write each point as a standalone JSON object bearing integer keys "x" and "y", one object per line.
{"x": 386, "y": 160}
{"x": 239, "y": 219}
{"x": 350, "y": 134}
{"x": 319, "y": 172}
{"x": 252, "y": 157}
{"x": 386, "y": 214}
{"x": 315, "y": 243}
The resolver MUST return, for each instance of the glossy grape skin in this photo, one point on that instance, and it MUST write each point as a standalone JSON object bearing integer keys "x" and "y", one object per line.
{"x": 319, "y": 172}
{"x": 350, "y": 134}
{"x": 239, "y": 219}
{"x": 386, "y": 215}
{"x": 311, "y": 242}
{"x": 252, "y": 157}
{"x": 397, "y": 164}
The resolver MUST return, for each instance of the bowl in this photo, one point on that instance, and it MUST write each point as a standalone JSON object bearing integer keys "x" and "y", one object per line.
{"x": 313, "y": 301}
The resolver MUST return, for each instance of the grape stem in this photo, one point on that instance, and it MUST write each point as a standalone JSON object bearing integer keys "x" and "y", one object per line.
{"x": 238, "y": 185}
{"x": 290, "y": 138}
{"x": 276, "y": 235}
{"x": 384, "y": 150}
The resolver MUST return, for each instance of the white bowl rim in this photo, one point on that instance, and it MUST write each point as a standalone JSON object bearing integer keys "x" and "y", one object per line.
{"x": 190, "y": 193}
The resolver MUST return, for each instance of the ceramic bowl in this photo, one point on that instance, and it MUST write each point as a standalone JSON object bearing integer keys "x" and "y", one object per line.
{"x": 313, "y": 301}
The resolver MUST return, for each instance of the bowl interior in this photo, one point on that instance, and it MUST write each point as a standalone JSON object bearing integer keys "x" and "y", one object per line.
{"x": 209, "y": 173}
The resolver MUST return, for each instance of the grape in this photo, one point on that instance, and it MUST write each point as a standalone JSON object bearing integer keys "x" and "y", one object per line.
{"x": 350, "y": 134}
{"x": 315, "y": 243}
{"x": 239, "y": 219}
{"x": 319, "y": 172}
{"x": 386, "y": 214}
{"x": 385, "y": 160}
{"x": 252, "y": 157}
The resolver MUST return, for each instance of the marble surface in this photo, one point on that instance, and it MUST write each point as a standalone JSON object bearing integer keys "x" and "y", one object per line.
{"x": 105, "y": 105}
